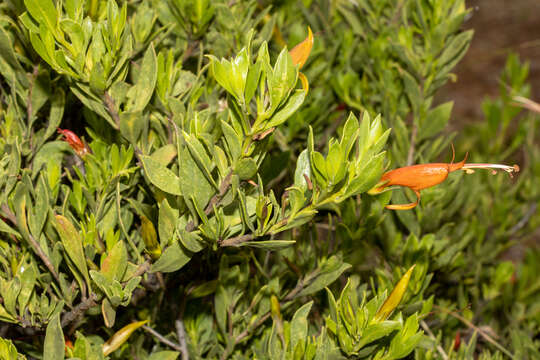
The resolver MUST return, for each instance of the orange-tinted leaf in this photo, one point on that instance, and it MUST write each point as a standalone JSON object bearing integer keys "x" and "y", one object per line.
{"x": 300, "y": 52}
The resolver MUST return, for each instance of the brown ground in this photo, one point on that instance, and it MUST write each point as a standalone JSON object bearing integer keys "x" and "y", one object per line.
{"x": 501, "y": 26}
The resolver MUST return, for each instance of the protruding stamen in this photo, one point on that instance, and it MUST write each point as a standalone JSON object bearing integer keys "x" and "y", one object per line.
{"x": 469, "y": 168}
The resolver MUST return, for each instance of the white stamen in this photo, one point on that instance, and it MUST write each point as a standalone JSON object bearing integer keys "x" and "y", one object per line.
{"x": 493, "y": 167}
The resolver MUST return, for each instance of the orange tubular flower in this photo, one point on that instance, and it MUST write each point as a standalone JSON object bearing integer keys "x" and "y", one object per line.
{"x": 75, "y": 142}
{"x": 423, "y": 176}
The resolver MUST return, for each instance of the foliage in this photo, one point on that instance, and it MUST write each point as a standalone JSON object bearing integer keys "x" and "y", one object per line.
{"x": 217, "y": 204}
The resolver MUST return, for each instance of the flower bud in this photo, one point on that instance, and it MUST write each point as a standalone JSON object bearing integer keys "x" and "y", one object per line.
{"x": 75, "y": 142}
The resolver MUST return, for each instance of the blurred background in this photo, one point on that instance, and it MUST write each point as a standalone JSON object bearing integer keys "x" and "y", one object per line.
{"x": 500, "y": 26}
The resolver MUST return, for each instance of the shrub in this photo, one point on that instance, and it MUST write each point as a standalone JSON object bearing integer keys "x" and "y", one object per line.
{"x": 174, "y": 182}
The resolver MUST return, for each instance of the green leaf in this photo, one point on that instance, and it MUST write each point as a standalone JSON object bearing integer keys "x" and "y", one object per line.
{"x": 376, "y": 331}
{"x": 7, "y": 229}
{"x": 53, "y": 349}
{"x": 132, "y": 125}
{"x": 204, "y": 289}
{"x": 200, "y": 156}
{"x": 282, "y": 80}
{"x": 164, "y": 355}
{"x": 238, "y": 75}
{"x": 115, "y": 264}
{"x": 252, "y": 80}
{"x": 7, "y": 52}
{"x": 233, "y": 140}
{"x": 412, "y": 89}
{"x": 172, "y": 259}
{"x": 191, "y": 241}
{"x": 455, "y": 47}
{"x": 303, "y": 167}
{"x": 299, "y": 324}
{"x": 72, "y": 242}
{"x": 43, "y": 11}
{"x": 193, "y": 181}
{"x": 97, "y": 81}
{"x": 8, "y": 351}
{"x": 36, "y": 220}
{"x": 141, "y": 93}
{"x": 166, "y": 223}
{"x": 269, "y": 244}
{"x": 41, "y": 49}
{"x": 160, "y": 176}
{"x": 245, "y": 168}
{"x": 108, "y": 312}
{"x": 329, "y": 272}
{"x": 350, "y": 134}
{"x": 28, "y": 280}
{"x": 435, "y": 120}
{"x": 222, "y": 70}
{"x": 290, "y": 107}
{"x": 75, "y": 33}
{"x": 318, "y": 167}
{"x": 10, "y": 292}
{"x": 165, "y": 154}
{"x": 368, "y": 176}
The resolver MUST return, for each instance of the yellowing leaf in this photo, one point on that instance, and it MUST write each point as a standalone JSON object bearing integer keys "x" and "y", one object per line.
{"x": 149, "y": 236}
{"x": 121, "y": 336}
{"x": 395, "y": 297}
{"x": 300, "y": 52}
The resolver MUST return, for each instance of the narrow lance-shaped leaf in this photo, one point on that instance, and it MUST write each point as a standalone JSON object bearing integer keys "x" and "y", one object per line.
{"x": 300, "y": 52}
{"x": 121, "y": 336}
{"x": 72, "y": 242}
{"x": 161, "y": 176}
{"x": 395, "y": 297}
{"x": 54, "y": 340}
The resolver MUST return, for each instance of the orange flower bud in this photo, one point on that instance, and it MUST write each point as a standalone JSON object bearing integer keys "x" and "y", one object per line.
{"x": 75, "y": 142}
{"x": 423, "y": 176}
{"x": 457, "y": 341}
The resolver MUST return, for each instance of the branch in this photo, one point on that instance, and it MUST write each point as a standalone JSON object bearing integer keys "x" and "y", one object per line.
{"x": 214, "y": 201}
{"x": 430, "y": 334}
{"x": 525, "y": 219}
{"x": 29, "y": 107}
{"x": 109, "y": 103}
{"x": 79, "y": 310}
{"x": 291, "y": 296}
{"x": 35, "y": 245}
{"x": 237, "y": 240}
{"x": 180, "y": 331}
{"x": 162, "y": 338}
{"x": 250, "y": 328}
{"x": 410, "y": 155}
{"x": 43, "y": 257}
{"x": 143, "y": 268}
{"x": 477, "y": 329}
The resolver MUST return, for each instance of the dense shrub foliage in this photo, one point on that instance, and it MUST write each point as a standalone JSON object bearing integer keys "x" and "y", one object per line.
{"x": 176, "y": 183}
